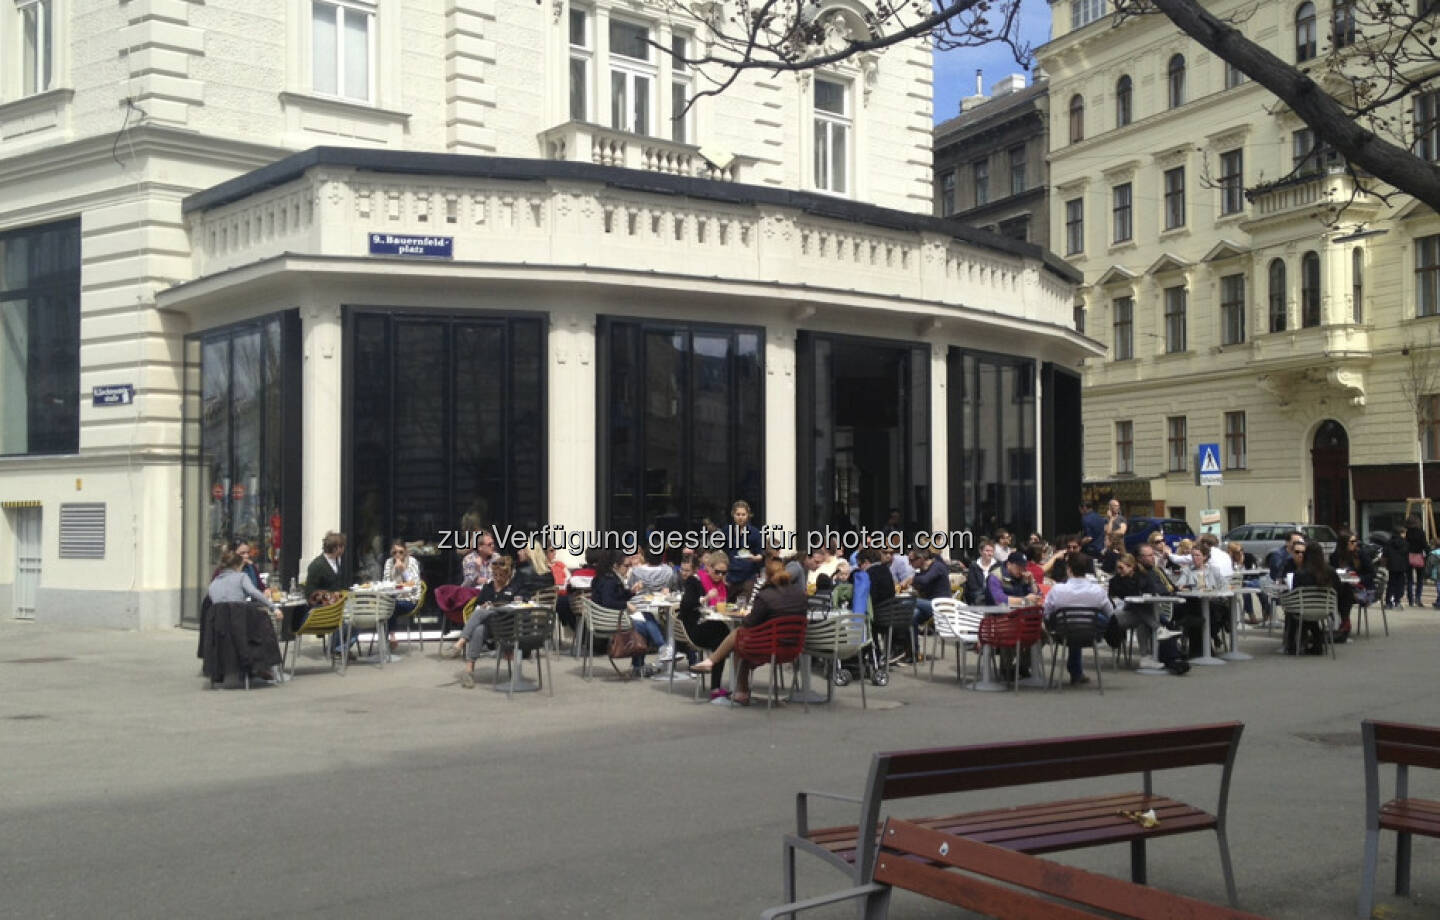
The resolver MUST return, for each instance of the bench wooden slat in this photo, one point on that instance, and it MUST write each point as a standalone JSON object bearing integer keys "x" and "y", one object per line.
{"x": 1055, "y": 843}
{"x": 1412, "y": 755}
{"x": 1407, "y": 733}
{"x": 1033, "y": 817}
{"x": 1042, "y": 768}
{"x": 1414, "y": 816}
{"x": 971, "y": 893}
{"x": 1076, "y": 885}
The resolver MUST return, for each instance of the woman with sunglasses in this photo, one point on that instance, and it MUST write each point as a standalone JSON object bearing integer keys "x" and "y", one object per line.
{"x": 403, "y": 570}
{"x": 1347, "y": 556}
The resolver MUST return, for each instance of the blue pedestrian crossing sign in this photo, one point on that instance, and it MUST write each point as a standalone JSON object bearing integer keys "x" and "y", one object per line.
{"x": 1208, "y": 464}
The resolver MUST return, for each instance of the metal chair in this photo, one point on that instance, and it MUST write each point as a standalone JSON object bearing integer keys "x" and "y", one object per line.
{"x": 953, "y": 623}
{"x": 322, "y": 621}
{"x": 1312, "y": 605}
{"x": 368, "y": 611}
{"x": 682, "y": 637}
{"x": 898, "y": 612}
{"x": 776, "y": 642}
{"x": 1076, "y": 626}
{"x": 600, "y": 623}
{"x": 410, "y": 627}
{"x": 1374, "y": 596}
{"x": 835, "y": 639}
{"x": 517, "y": 630}
{"x": 1018, "y": 630}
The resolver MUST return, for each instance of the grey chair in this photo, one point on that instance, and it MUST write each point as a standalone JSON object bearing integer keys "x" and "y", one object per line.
{"x": 1309, "y": 604}
{"x": 517, "y": 630}
{"x": 1377, "y": 597}
{"x": 1076, "y": 626}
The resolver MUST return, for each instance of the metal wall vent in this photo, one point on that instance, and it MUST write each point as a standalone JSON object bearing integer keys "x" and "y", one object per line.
{"x": 82, "y": 530}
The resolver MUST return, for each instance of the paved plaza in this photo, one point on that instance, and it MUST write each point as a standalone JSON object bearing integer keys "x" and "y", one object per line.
{"x": 131, "y": 791}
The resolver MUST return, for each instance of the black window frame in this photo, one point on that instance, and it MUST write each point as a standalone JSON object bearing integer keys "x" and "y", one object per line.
{"x": 1310, "y": 304}
{"x": 1077, "y": 118}
{"x": 1122, "y": 328}
{"x": 1175, "y": 81}
{"x": 1074, "y": 226}
{"x": 1176, "y": 320}
{"x": 1305, "y": 32}
{"x": 1122, "y": 213}
{"x": 1232, "y": 181}
{"x": 1427, "y": 275}
{"x": 1174, "y": 192}
{"x": 1124, "y": 101}
{"x": 1232, "y": 309}
{"x": 1277, "y": 295}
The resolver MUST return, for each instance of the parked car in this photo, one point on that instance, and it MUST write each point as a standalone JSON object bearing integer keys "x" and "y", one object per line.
{"x": 1261, "y": 538}
{"x": 1139, "y": 529}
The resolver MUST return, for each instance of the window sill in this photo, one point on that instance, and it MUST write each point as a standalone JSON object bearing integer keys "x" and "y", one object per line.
{"x": 38, "y": 112}
{"x": 1232, "y": 218}
{"x": 1181, "y": 230}
{"x": 1124, "y": 245}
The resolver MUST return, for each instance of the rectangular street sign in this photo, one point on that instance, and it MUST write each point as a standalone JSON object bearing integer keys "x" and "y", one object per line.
{"x": 1208, "y": 464}
{"x": 426, "y": 247}
{"x": 120, "y": 394}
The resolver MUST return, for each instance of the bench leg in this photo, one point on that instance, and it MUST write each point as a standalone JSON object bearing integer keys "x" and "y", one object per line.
{"x": 787, "y": 870}
{"x": 876, "y": 906}
{"x": 1137, "y": 861}
{"x": 1367, "y": 878}
{"x": 1402, "y": 865}
{"x": 1226, "y": 868}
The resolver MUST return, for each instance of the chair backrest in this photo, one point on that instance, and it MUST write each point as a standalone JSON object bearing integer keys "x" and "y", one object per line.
{"x": 898, "y": 611}
{"x": 947, "y": 622}
{"x": 603, "y": 619}
{"x": 968, "y": 620}
{"x": 839, "y": 636}
{"x": 545, "y": 597}
{"x": 818, "y": 606}
{"x": 468, "y": 609}
{"x": 959, "y": 871}
{"x": 325, "y": 619}
{"x": 1080, "y": 625}
{"x": 1310, "y": 603}
{"x": 526, "y": 626}
{"x": 1402, "y": 743}
{"x": 420, "y": 598}
{"x": 370, "y": 608}
{"x": 782, "y": 638}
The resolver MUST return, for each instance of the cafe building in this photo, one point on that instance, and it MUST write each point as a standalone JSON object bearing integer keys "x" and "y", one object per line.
{"x": 386, "y": 319}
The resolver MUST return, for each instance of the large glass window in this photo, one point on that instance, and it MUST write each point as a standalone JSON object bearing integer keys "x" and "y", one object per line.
{"x": 1278, "y": 309}
{"x": 37, "y": 45}
{"x": 242, "y": 443}
{"x": 1174, "y": 320}
{"x": 1120, "y": 213}
{"x": 632, "y": 77}
{"x": 1305, "y": 31}
{"x": 40, "y": 339}
{"x": 341, "y": 47}
{"x": 1123, "y": 326}
{"x": 445, "y": 431}
{"x": 992, "y": 447}
{"x": 832, "y": 136}
{"x": 581, "y": 60}
{"x": 1310, "y": 289}
{"x": 1232, "y": 182}
{"x": 1427, "y": 276}
{"x": 1232, "y": 309}
{"x": 681, "y": 422}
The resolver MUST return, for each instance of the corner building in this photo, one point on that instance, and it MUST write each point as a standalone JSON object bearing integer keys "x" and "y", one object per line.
{"x": 277, "y": 267}
{"x": 1236, "y": 307}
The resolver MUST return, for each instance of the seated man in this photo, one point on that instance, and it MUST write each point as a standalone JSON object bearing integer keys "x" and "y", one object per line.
{"x": 500, "y": 590}
{"x": 323, "y": 578}
{"x": 1080, "y": 589}
{"x": 1013, "y": 581}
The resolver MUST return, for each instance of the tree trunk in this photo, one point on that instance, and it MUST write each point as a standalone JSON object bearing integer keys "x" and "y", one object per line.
{"x": 1361, "y": 147}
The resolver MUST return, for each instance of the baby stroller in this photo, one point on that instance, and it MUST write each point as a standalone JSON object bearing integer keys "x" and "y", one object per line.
{"x": 871, "y": 663}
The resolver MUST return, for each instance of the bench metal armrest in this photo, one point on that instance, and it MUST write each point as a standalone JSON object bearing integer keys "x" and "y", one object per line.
{"x": 834, "y": 897}
{"x": 802, "y": 821}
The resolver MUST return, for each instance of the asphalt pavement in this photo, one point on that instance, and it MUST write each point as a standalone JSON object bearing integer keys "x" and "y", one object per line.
{"x": 131, "y": 790}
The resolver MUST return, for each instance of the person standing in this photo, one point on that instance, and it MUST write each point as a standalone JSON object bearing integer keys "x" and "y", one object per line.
{"x": 1092, "y": 530}
{"x": 1416, "y": 546}
{"x": 1115, "y": 523}
{"x": 1397, "y": 563}
{"x": 744, "y": 546}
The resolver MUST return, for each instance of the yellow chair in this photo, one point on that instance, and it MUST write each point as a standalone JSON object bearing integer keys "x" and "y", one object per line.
{"x": 321, "y": 622}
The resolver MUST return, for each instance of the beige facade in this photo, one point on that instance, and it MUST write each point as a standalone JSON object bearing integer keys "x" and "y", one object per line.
{"x": 1146, "y": 202}
{"x": 136, "y": 107}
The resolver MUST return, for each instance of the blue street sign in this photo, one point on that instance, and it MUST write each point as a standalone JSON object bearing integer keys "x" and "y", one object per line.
{"x": 122, "y": 394}
{"x": 425, "y": 247}
{"x": 1208, "y": 463}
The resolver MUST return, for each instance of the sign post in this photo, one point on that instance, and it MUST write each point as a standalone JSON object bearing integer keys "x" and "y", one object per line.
{"x": 1208, "y": 473}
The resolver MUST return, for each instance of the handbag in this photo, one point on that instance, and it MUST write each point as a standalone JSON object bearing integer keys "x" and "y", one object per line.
{"x": 1417, "y": 560}
{"x": 625, "y": 643}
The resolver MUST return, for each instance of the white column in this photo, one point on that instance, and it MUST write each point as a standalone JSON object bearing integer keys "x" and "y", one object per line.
{"x": 320, "y": 331}
{"x": 781, "y": 490}
{"x": 939, "y": 439}
{"x": 572, "y": 449}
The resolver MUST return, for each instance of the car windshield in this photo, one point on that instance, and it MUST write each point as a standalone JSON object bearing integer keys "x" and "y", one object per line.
{"x": 1320, "y": 533}
{"x": 1177, "y": 528}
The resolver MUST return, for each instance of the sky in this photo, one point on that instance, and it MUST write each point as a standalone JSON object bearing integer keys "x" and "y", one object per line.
{"x": 955, "y": 70}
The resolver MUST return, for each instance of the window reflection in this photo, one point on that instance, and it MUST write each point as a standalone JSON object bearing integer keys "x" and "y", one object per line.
{"x": 40, "y": 340}
{"x": 992, "y": 442}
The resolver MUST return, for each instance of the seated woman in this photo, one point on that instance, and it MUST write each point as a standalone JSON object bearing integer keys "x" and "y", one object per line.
{"x": 608, "y": 590}
{"x": 1199, "y": 575}
{"x": 403, "y": 570}
{"x": 780, "y": 597}
{"x": 1314, "y": 572}
{"x": 652, "y": 576}
{"x": 1127, "y": 582}
{"x": 232, "y": 586}
{"x": 695, "y": 600}
{"x": 1347, "y": 556}
{"x": 500, "y": 590}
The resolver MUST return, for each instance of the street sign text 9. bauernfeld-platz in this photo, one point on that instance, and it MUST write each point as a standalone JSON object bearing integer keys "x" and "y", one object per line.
{"x": 425, "y": 247}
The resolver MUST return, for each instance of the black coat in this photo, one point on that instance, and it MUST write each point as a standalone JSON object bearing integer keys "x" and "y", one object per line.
{"x": 236, "y": 639}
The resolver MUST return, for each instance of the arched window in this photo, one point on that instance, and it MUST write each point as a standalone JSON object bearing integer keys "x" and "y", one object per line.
{"x": 1305, "y": 31}
{"x": 1122, "y": 101}
{"x": 1357, "y": 285}
{"x": 1277, "y": 295}
{"x": 1310, "y": 289}
{"x": 1077, "y": 119}
{"x": 1175, "y": 80}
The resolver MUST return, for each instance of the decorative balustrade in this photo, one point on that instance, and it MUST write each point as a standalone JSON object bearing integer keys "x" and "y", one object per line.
{"x": 1323, "y": 190}
{"x": 579, "y": 141}
{"x": 563, "y": 222}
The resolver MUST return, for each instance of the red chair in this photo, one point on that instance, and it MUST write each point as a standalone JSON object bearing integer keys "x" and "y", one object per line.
{"x": 1018, "y": 629}
{"x": 774, "y": 642}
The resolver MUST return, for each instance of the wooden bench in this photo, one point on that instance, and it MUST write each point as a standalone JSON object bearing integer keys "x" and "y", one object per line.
{"x": 1034, "y": 829}
{"x": 1002, "y": 883}
{"x": 1405, "y": 746}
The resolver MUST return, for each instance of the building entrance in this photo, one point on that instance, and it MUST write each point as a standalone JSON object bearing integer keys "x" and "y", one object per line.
{"x": 1330, "y": 460}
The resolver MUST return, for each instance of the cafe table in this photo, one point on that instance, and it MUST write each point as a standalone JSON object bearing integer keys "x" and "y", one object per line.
{"x": 665, "y": 606}
{"x": 1205, "y": 597}
{"x": 987, "y": 682}
{"x": 1154, "y": 600}
{"x": 731, "y": 617}
{"x": 388, "y": 589}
